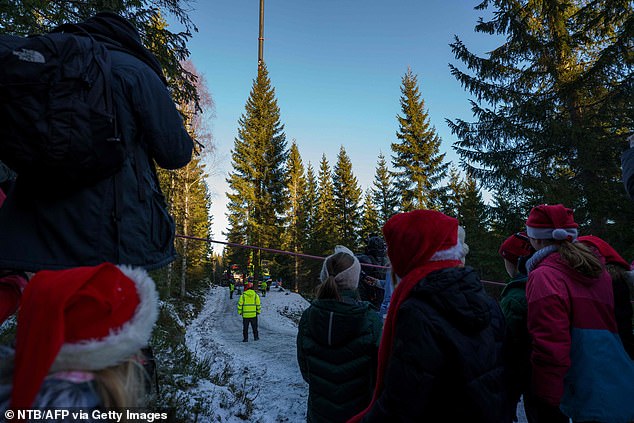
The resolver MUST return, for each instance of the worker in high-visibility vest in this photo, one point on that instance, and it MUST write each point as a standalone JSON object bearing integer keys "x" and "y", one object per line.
{"x": 249, "y": 307}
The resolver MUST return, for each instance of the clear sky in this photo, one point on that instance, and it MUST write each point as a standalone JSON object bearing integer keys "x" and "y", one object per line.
{"x": 336, "y": 66}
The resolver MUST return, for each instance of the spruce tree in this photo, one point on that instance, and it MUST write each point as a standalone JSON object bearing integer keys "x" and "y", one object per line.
{"x": 552, "y": 104}
{"x": 417, "y": 161}
{"x": 311, "y": 241}
{"x": 296, "y": 219}
{"x": 258, "y": 179}
{"x": 347, "y": 195}
{"x": 310, "y": 209}
{"x": 326, "y": 221}
{"x": 384, "y": 193}
{"x": 473, "y": 215}
{"x": 370, "y": 219}
{"x": 454, "y": 192}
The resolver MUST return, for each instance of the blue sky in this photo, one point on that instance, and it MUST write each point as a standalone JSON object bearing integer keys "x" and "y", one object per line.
{"x": 336, "y": 66}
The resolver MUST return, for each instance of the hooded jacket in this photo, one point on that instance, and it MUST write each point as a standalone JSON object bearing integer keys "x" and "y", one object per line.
{"x": 446, "y": 362}
{"x": 249, "y": 304}
{"x": 578, "y": 360}
{"x": 122, "y": 219}
{"x": 337, "y": 345}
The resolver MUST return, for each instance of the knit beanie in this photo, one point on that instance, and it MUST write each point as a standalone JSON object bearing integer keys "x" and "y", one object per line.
{"x": 85, "y": 318}
{"x": 347, "y": 279}
{"x": 606, "y": 250}
{"x": 516, "y": 246}
{"x": 551, "y": 222}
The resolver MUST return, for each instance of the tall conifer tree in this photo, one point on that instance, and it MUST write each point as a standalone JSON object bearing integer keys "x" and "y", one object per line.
{"x": 347, "y": 195}
{"x": 325, "y": 230}
{"x": 384, "y": 193}
{"x": 418, "y": 163}
{"x": 370, "y": 220}
{"x": 257, "y": 182}
{"x": 296, "y": 219}
{"x": 551, "y": 105}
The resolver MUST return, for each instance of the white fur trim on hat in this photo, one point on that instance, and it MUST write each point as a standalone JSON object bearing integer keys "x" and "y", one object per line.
{"x": 121, "y": 343}
{"x": 551, "y": 233}
{"x": 457, "y": 252}
{"x": 346, "y": 279}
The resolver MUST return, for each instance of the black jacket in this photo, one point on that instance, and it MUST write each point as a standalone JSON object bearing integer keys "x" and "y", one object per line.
{"x": 80, "y": 229}
{"x": 447, "y": 358}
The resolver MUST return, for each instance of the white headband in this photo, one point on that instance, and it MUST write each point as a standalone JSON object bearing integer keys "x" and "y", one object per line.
{"x": 346, "y": 279}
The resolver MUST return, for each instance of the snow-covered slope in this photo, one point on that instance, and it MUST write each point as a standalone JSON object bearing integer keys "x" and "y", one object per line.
{"x": 264, "y": 371}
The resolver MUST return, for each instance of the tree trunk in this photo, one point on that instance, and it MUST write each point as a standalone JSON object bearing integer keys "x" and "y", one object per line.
{"x": 185, "y": 242}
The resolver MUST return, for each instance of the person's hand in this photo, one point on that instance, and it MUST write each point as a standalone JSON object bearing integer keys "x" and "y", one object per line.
{"x": 371, "y": 281}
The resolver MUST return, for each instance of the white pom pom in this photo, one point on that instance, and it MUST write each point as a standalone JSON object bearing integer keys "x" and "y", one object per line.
{"x": 560, "y": 234}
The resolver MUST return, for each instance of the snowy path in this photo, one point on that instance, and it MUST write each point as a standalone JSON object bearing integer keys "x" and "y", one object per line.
{"x": 266, "y": 369}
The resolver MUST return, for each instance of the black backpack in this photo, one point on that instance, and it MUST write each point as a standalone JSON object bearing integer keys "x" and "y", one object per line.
{"x": 58, "y": 125}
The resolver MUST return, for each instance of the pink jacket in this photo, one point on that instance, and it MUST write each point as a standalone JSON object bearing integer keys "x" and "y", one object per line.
{"x": 561, "y": 299}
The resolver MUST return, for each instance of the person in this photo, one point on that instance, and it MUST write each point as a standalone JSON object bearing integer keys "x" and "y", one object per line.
{"x": 440, "y": 357}
{"x": 621, "y": 274}
{"x": 263, "y": 287}
{"x": 232, "y": 288}
{"x": 122, "y": 219}
{"x": 388, "y": 288}
{"x": 337, "y": 343}
{"x": 515, "y": 250}
{"x": 249, "y": 308}
{"x": 370, "y": 277}
{"x": 627, "y": 166}
{"x": 79, "y": 333}
{"x": 579, "y": 367}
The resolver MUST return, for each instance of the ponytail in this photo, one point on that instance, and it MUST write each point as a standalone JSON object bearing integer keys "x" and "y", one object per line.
{"x": 578, "y": 256}
{"x": 328, "y": 290}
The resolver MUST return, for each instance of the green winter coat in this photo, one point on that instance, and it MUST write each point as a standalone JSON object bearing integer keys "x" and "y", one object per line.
{"x": 249, "y": 304}
{"x": 515, "y": 308}
{"x": 337, "y": 346}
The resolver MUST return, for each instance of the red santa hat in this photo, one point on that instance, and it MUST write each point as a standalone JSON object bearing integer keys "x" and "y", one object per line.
{"x": 516, "y": 246}
{"x": 85, "y": 318}
{"x": 419, "y": 236}
{"x": 606, "y": 250}
{"x": 551, "y": 222}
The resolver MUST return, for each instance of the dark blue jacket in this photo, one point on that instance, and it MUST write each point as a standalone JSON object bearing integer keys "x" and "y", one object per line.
{"x": 80, "y": 229}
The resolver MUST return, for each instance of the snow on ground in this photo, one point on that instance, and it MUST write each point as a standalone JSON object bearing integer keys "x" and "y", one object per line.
{"x": 266, "y": 370}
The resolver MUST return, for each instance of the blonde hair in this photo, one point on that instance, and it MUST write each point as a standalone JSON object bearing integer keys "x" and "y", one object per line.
{"x": 328, "y": 290}
{"x": 122, "y": 385}
{"x": 578, "y": 256}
